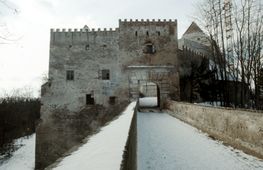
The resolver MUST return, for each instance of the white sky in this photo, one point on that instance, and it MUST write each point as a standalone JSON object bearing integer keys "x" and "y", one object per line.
{"x": 24, "y": 61}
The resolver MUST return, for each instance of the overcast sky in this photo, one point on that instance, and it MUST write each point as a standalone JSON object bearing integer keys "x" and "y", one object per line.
{"x": 24, "y": 60}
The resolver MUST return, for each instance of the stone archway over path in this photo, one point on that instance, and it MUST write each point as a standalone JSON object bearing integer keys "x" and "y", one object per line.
{"x": 163, "y": 76}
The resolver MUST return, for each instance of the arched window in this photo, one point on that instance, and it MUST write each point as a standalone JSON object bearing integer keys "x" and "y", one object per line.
{"x": 149, "y": 48}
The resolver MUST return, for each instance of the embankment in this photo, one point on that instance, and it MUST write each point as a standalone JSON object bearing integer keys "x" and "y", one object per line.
{"x": 242, "y": 129}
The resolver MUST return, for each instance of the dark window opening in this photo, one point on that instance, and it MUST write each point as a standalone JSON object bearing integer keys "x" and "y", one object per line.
{"x": 104, "y": 45}
{"x": 105, "y": 74}
{"x": 69, "y": 46}
{"x": 89, "y": 99}
{"x": 198, "y": 39}
{"x": 159, "y": 33}
{"x": 87, "y": 47}
{"x": 136, "y": 33}
{"x": 70, "y": 75}
{"x": 149, "y": 48}
{"x": 112, "y": 100}
{"x": 147, "y": 33}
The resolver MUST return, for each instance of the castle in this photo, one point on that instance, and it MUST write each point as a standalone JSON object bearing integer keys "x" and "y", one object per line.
{"x": 92, "y": 66}
{"x": 102, "y": 68}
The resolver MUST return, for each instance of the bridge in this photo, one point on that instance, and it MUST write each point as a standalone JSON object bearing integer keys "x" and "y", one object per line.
{"x": 156, "y": 141}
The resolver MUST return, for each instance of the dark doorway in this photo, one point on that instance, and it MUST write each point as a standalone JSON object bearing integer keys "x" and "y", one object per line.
{"x": 158, "y": 97}
{"x": 105, "y": 74}
{"x": 112, "y": 100}
{"x": 89, "y": 99}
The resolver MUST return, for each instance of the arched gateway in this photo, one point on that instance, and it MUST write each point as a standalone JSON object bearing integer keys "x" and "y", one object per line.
{"x": 162, "y": 76}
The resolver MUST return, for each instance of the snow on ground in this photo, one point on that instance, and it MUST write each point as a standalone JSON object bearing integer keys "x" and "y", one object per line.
{"x": 104, "y": 150}
{"x": 148, "y": 101}
{"x": 24, "y": 157}
{"x": 166, "y": 143}
{"x": 215, "y": 103}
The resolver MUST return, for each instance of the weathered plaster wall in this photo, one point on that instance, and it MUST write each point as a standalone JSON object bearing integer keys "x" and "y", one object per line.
{"x": 242, "y": 129}
{"x": 133, "y": 38}
{"x": 87, "y": 53}
{"x": 135, "y": 34}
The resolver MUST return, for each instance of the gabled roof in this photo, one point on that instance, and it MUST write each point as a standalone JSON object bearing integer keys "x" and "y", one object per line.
{"x": 194, "y": 28}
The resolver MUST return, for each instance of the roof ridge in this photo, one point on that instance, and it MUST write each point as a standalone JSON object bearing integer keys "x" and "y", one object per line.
{"x": 193, "y": 28}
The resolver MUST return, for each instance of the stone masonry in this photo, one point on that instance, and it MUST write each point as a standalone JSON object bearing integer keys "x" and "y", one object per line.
{"x": 89, "y": 74}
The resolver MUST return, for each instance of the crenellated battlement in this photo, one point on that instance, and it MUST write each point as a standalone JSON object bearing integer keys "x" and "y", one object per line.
{"x": 143, "y": 27}
{"x": 121, "y": 21}
{"x": 82, "y": 30}
{"x": 148, "y": 21}
{"x": 83, "y": 35}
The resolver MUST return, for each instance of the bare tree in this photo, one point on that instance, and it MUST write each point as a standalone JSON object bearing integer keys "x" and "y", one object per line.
{"x": 235, "y": 31}
{"x": 5, "y": 35}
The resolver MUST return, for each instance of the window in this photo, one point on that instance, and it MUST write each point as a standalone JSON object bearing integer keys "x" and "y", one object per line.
{"x": 136, "y": 33}
{"x": 149, "y": 48}
{"x": 87, "y": 47}
{"x": 112, "y": 100}
{"x": 90, "y": 99}
{"x": 159, "y": 33}
{"x": 147, "y": 33}
{"x": 70, "y": 75}
{"x": 105, "y": 74}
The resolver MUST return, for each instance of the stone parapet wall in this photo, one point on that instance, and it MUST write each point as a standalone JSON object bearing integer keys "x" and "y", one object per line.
{"x": 129, "y": 161}
{"x": 242, "y": 129}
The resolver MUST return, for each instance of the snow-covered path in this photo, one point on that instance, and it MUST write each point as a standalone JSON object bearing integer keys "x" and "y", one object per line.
{"x": 166, "y": 143}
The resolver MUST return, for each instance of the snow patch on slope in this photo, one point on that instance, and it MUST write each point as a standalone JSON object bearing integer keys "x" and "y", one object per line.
{"x": 24, "y": 157}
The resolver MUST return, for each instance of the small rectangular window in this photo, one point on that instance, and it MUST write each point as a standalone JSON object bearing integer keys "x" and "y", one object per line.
{"x": 112, "y": 100}
{"x": 105, "y": 74}
{"x": 70, "y": 75}
{"x": 90, "y": 99}
{"x": 87, "y": 47}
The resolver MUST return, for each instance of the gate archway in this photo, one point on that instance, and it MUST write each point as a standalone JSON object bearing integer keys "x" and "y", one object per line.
{"x": 159, "y": 75}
